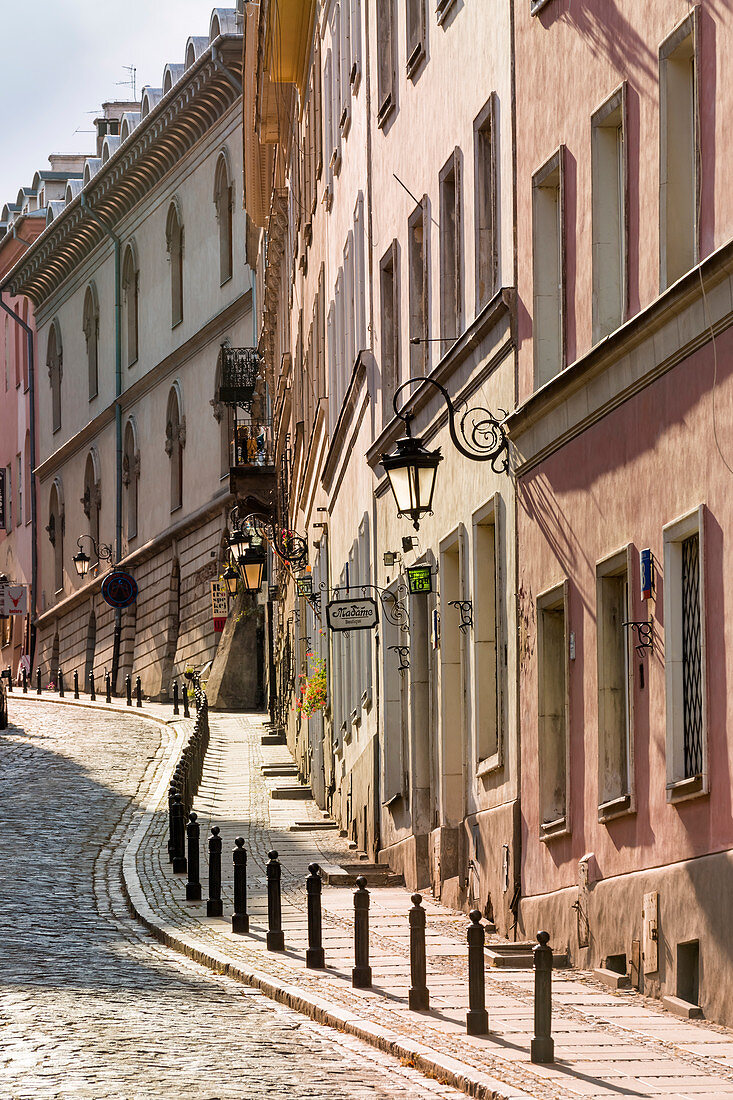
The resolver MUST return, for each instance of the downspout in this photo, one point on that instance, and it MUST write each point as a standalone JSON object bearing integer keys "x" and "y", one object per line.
{"x": 118, "y": 418}
{"x": 219, "y": 64}
{"x": 32, "y": 430}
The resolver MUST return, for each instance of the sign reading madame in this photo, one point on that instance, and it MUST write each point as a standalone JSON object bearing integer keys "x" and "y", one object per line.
{"x": 352, "y": 614}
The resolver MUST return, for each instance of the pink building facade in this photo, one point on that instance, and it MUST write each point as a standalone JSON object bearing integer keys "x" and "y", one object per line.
{"x": 624, "y": 468}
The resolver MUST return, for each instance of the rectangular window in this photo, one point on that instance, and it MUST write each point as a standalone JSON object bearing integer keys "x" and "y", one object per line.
{"x": 345, "y": 116}
{"x": 359, "y": 274}
{"x": 355, "y": 71}
{"x": 552, "y": 643}
{"x": 390, "y": 328}
{"x": 684, "y": 656}
{"x": 679, "y": 152}
{"x": 488, "y": 654}
{"x": 485, "y": 195}
{"x": 451, "y": 294}
{"x": 19, "y": 488}
{"x": 386, "y": 59}
{"x": 615, "y": 686}
{"x": 548, "y": 269}
{"x": 349, "y": 309}
{"x": 317, "y": 111}
{"x": 415, "y": 11}
{"x": 417, "y": 259}
{"x": 608, "y": 153}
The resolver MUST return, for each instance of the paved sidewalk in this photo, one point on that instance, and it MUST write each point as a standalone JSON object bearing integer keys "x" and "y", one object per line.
{"x": 606, "y": 1044}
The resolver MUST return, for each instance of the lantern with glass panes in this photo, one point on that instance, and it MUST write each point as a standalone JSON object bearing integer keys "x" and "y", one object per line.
{"x": 412, "y": 468}
{"x": 82, "y": 561}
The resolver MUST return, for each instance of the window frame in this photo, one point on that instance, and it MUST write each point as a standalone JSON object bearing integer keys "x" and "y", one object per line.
{"x": 386, "y": 60}
{"x": 417, "y": 45}
{"x": 451, "y": 266}
{"x": 615, "y": 104}
{"x": 555, "y": 165}
{"x": 548, "y": 601}
{"x": 419, "y": 357}
{"x": 614, "y": 565}
{"x": 678, "y": 786}
{"x": 490, "y": 515}
{"x": 485, "y": 193}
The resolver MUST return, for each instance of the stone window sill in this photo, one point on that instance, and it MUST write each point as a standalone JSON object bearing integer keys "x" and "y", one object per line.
{"x": 614, "y": 808}
{"x": 694, "y": 786}
{"x": 551, "y": 830}
{"x": 490, "y": 764}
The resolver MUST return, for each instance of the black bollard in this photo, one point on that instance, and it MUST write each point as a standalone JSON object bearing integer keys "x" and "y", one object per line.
{"x": 542, "y": 1048}
{"x": 275, "y": 934}
{"x": 108, "y": 687}
{"x": 61, "y": 683}
{"x": 179, "y": 836}
{"x": 38, "y": 681}
{"x": 477, "y": 1020}
{"x": 76, "y": 684}
{"x": 419, "y": 997}
{"x": 214, "y": 906}
{"x": 92, "y": 689}
{"x": 193, "y": 885}
{"x": 128, "y": 690}
{"x": 9, "y": 674}
{"x": 172, "y": 791}
{"x": 138, "y": 692}
{"x": 314, "y": 956}
{"x": 184, "y": 693}
{"x": 25, "y": 681}
{"x": 240, "y": 919}
{"x": 175, "y": 697}
{"x": 361, "y": 974}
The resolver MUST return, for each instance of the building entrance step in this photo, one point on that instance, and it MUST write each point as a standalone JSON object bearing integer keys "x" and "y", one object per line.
{"x": 310, "y": 826}
{"x": 291, "y": 792}
{"x": 346, "y": 874}
{"x": 273, "y": 739}
{"x": 518, "y": 956}
{"x": 274, "y": 770}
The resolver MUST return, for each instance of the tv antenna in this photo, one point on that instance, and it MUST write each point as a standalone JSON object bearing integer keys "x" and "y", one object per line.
{"x": 131, "y": 82}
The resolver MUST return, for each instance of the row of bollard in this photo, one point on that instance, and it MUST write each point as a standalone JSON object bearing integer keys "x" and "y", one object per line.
{"x": 477, "y": 1020}
{"x": 181, "y": 691}
{"x": 92, "y": 686}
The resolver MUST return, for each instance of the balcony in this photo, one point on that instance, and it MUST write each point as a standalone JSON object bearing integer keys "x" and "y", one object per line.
{"x": 240, "y": 370}
{"x": 252, "y": 476}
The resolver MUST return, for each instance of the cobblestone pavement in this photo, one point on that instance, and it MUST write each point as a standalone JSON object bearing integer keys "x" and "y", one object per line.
{"x": 91, "y": 1006}
{"x": 606, "y": 1044}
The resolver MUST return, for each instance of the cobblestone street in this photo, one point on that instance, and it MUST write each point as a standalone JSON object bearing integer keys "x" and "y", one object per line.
{"x": 90, "y": 1005}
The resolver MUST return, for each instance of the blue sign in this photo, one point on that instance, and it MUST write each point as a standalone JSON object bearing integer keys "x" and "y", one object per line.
{"x": 119, "y": 589}
{"x": 646, "y": 570}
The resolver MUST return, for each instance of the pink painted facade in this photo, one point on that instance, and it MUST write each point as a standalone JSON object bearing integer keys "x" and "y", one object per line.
{"x": 625, "y": 445}
{"x": 17, "y": 535}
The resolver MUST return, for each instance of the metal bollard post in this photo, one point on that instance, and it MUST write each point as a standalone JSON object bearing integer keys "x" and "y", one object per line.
{"x": 92, "y": 688}
{"x": 172, "y": 791}
{"x": 542, "y": 1048}
{"x": 179, "y": 842}
{"x": 175, "y": 697}
{"x": 275, "y": 934}
{"x": 61, "y": 684}
{"x": 477, "y": 1020}
{"x": 38, "y": 681}
{"x": 361, "y": 974}
{"x": 138, "y": 692}
{"x": 314, "y": 956}
{"x": 128, "y": 690}
{"x": 108, "y": 687}
{"x": 184, "y": 693}
{"x": 76, "y": 684}
{"x": 419, "y": 997}
{"x": 193, "y": 886}
{"x": 240, "y": 919}
{"x": 9, "y": 675}
{"x": 214, "y": 906}
{"x": 25, "y": 681}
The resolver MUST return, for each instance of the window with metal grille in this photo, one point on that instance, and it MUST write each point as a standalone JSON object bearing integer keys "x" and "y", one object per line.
{"x": 691, "y": 655}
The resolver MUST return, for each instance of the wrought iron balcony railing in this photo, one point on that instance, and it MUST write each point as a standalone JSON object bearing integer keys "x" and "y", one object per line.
{"x": 241, "y": 369}
{"x": 252, "y": 444}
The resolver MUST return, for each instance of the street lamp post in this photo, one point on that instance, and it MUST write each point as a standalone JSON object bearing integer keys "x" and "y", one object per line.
{"x": 412, "y": 468}
{"x": 82, "y": 560}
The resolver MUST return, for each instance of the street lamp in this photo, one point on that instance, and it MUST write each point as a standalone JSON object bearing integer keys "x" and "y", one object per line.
{"x": 252, "y": 567}
{"x": 231, "y": 579}
{"x": 412, "y": 468}
{"x": 82, "y": 561}
{"x": 239, "y": 544}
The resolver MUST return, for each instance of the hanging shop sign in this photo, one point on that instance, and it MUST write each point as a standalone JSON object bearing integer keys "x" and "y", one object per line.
{"x": 419, "y": 580}
{"x": 304, "y": 586}
{"x": 219, "y": 604}
{"x": 352, "y": 614}
{"x": 119, "y": 589}
{"x": 16, "y": 599}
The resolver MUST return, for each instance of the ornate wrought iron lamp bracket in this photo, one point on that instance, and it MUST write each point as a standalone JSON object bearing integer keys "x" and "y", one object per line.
{"x": 483, "y": 437}
{"x": 103, "y": 550}
{"x": 644, "y": 632}
{"x": 465, "y": 610}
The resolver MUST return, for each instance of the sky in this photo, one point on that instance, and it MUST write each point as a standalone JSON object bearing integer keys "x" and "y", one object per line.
{"x": 61, "y": 59}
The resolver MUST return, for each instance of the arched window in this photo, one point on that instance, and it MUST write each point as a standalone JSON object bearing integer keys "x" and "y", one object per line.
{"x": 91, "y": 334}
{"x": 223, "y": 198}
{"x": 55, "y": 531}
{"x": 131, "y": 476}
{"x": 174, "y": 241}
{"x": 175, "y": 441}
{"x": 92, "y": 499}
{"x": 131, "y": 296}
{"x": 54, "y": 362}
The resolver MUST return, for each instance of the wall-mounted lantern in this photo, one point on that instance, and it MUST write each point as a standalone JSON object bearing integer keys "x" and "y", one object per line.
{"x": 412, "y": 468}
{"x": 230, "y": 577}
{"x": 82, "y": 561}
{"x": 252, "y": 567}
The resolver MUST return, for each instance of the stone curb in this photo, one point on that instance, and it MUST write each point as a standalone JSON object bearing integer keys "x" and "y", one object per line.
{"x": 106, "y": 708}
{"x": 432, "y": 1063}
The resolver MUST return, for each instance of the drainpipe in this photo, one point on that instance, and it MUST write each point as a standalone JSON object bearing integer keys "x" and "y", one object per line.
{"x": 118, "y": 417}
{"x": 32, "y": 429}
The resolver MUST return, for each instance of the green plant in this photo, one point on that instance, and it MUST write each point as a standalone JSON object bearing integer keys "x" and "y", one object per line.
{"x": 313, "y": 689}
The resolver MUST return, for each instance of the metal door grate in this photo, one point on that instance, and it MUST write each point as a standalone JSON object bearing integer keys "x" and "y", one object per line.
{"x": 691, "y": 655}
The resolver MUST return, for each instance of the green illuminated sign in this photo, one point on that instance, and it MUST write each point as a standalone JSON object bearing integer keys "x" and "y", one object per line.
{"x": 419, "y": 580}
{"x": 304, "y": 586}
